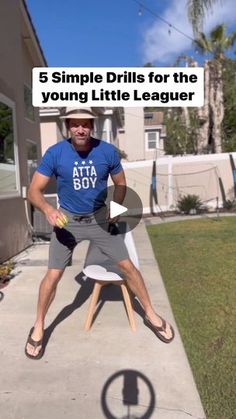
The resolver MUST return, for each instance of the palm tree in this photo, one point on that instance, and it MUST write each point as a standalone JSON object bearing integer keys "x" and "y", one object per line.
{"x": 197, "y": 10}
{"x": 212, "y": 113}
{"x": 217, "y": 43}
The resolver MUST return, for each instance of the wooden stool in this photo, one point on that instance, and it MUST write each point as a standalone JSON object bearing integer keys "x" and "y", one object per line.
{"x": 95, "y": 271}
{"x": 100, "y": 268}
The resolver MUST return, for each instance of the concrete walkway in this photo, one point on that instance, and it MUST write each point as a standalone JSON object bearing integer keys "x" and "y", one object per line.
{"x": 108, "y": 372}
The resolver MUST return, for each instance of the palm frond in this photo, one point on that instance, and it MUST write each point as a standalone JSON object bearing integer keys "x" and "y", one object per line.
{"x": 197, "y": 10}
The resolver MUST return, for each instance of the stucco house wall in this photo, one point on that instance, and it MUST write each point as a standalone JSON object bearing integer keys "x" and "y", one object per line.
{"x": 18, "y": 55}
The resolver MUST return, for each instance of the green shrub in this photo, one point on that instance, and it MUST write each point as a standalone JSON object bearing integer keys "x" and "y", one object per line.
{"x": 228, "y": 204}
{"x": 189, "y": 202}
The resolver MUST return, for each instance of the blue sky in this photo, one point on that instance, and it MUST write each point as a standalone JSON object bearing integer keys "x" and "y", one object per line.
{"x": 112, "y": 33}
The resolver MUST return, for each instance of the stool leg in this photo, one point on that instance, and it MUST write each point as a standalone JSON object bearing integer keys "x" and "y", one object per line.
{"x": 128, "y": 306}
{"x": 92, "y": 305}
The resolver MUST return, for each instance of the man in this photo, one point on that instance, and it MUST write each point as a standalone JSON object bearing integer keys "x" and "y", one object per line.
{"x": 81, "y": 165}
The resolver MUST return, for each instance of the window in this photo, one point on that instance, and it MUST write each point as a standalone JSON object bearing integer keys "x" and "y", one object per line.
{"x": 31, "y": 158}
{"x": 152, "y": 140}
{"x": 104, "y": 135}
{"x": 29, "y": 109}
{"x": 148, "y": 115}
{"x": 8, "y": 167}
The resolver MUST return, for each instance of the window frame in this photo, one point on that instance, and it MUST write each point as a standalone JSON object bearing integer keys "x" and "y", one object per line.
{"x": 29, "y": 141}
{"x": 157, "y": 135}
{"x": 12, "y": 194}
{"x": 26, "y": 117}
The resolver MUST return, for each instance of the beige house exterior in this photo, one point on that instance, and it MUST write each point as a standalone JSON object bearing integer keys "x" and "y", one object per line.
{"x": 19, "y": 123}
{"x": 142, "y": 135}
{"x": 52, "y": 129}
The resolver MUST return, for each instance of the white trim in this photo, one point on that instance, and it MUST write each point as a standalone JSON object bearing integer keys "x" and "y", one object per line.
{"x": 11, "y": 194}
{"x": 147, "y": 210}
{"x": 48, "y": 112}
{"x": 204, "y": 158}
{"x": 162, "y": 208}
{"x": 152, "y": 127}
{"x": 51, "y": 195}
{"x": 164, "y": 160}
{"x": 170, "y": 184}
{"x": 137, "y": 164}
{"x": 192, "y": 158}
{"x": 157, "y": 140}
{"x": 108, "y": 112}
{"x": 107, "y": 129}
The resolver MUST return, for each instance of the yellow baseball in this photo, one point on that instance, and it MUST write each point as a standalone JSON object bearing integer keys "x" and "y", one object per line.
{"x": 61, "y": 223}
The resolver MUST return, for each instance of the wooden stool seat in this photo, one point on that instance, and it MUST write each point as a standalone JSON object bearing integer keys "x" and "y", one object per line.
{"x": 99, "y": 283}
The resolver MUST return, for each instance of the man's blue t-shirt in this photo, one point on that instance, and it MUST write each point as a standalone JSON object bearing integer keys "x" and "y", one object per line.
{"x": 81, "y": 176}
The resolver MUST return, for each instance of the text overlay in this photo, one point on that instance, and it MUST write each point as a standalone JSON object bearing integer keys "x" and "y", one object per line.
{"x": 118, "y": 86}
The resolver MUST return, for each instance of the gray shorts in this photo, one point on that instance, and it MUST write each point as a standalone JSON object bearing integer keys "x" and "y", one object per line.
{"x": 64, "y": 240}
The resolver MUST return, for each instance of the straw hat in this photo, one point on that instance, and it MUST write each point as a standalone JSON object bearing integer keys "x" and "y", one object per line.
{"x": 78, "y": 113}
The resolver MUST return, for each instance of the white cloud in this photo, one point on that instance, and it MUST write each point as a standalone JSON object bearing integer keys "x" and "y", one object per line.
{"x": 163, "y": 48}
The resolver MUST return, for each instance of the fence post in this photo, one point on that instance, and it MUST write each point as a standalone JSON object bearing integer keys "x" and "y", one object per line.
{"x": 170, "y": 183}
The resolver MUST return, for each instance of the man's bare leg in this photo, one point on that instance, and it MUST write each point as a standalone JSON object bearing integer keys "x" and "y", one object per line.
{"x": 136, "y": 284}
{"x": 47, "y": 292}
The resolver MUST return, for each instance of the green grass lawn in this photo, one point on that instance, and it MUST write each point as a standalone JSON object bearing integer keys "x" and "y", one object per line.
{"x": 197, "y": 259}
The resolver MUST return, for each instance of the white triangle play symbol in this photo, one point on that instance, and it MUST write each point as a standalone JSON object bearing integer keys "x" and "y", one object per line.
{"x": 116, "y": 209}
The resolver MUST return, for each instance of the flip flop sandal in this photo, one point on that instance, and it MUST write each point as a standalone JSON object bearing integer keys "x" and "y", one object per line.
{"x": 158, "y": 329}
{"x": 35, "y": 344}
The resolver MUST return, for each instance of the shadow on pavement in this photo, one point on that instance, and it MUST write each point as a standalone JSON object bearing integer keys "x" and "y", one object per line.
{"x": 109, "y": 293}
{"x": 131, "y": 388}
{"x": 80, "y": 298}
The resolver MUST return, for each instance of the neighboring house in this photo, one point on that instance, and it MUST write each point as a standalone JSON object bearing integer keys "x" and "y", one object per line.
{"x": 143, "y": 134}
{"x": 155, "y": 133}
{"x": 20, "y": 51}
{"x": 52, "y": 128}
{"x": 107, "y": 124}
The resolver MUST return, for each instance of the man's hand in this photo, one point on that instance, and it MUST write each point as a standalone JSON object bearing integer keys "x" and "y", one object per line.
{"x": 112, "y": 220}
{"x": 55, "y": 217}
{"x": 36, "y": 196}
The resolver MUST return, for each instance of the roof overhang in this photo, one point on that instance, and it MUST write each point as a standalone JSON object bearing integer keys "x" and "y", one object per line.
{"x": 30, "y": 37}
{"x": 45, "y": 112}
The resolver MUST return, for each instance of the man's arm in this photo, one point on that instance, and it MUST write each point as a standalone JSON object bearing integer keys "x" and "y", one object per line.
{"x": 120, "y": 187}
{"x": 119, "y": 192}
{"x": 37, "y": 199}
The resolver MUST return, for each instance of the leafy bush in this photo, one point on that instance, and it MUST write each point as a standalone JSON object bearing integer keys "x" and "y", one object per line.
{"x": 5, "y": 270}
{"x": 228, "y": 204}
{"x": 189, "y": 202}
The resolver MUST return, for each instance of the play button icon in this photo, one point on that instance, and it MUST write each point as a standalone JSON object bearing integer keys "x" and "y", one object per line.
{"x": 116, "y": 209}
{"x": 129, "y": 213}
